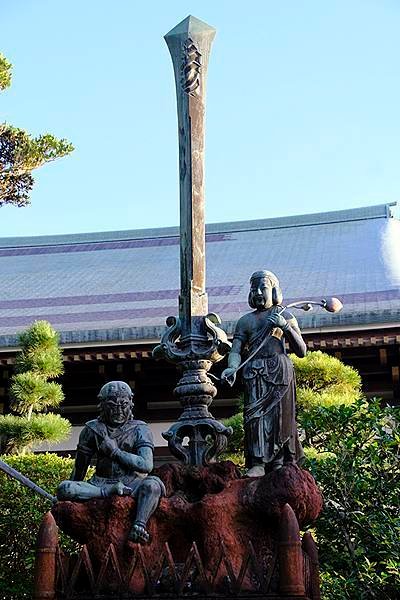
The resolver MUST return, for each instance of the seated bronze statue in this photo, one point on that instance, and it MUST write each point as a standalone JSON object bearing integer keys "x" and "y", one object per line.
{"x": 123, "y": 447}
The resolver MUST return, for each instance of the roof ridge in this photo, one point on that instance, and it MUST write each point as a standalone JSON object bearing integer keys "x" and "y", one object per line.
{"x": 336, "y": 216}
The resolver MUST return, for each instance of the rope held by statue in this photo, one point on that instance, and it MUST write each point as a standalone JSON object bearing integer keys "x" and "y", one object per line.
{"x": 332, "y": 305}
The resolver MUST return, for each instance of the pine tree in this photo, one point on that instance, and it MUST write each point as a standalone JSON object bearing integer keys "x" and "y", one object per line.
{"x": 20, "y": 153}
{"x": 32, "y": 391}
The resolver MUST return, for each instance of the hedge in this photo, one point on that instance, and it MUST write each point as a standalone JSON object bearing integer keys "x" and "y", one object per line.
{"x": 21, "y": 512}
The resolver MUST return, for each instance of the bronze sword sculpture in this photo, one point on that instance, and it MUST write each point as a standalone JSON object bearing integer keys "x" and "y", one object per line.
{"x": 26, "y": 481}
{"x": 194, "y": 341}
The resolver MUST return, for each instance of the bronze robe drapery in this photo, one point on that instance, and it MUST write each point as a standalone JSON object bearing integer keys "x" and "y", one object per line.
{"x": 270, "y": 405}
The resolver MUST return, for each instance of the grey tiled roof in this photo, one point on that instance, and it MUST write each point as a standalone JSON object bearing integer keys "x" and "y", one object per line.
{"x": 122, "y": 285}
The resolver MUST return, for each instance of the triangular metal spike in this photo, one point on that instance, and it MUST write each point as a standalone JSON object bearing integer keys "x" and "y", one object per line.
{"x": 242, "y": 572}
{"x": 139, "y": 560}
{"x": 62, "y": 571}
{"x": 257, "y": 567}
{"x": 110, "y": 557}
{"x": 193, "y": 559}
{"x": 83, "y": 559}
{"x": 250, "y": 557}
{"x": 223, "y": 559}
{"x": 267, "y": 575}
{"x": 167, "y": 560}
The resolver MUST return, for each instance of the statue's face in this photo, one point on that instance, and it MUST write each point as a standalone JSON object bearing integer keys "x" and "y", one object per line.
{"x": 261, "y": 293}
{"x": 117, "y": 409}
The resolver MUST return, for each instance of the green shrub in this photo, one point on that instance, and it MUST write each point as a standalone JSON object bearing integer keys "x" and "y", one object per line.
{"x": 235, "y": 441}
{"x": 355, "y": 459}
{"x": 20, "y": 515}
{"x": 352, "y": 449}
{"x": 323, "y": 380}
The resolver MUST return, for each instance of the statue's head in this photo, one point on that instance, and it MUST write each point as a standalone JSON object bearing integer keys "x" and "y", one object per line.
{"x": 265, "y": 290}
{"x": 116, "y": 403}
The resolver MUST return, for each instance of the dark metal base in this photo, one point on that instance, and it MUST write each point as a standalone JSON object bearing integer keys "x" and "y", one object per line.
{"x": 207, "y": 438}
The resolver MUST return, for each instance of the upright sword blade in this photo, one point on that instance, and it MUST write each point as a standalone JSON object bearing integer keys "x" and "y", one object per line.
{"x": 26, "y": 481}
{"x": 189, "y": 44}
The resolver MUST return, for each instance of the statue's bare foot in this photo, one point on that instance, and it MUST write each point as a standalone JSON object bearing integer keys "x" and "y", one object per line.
{"x": 139, "y": 534}
{"x": 256, "y": 471}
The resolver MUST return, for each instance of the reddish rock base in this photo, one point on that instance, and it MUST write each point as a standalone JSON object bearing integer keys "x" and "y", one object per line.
{"x": 213, "y": 506}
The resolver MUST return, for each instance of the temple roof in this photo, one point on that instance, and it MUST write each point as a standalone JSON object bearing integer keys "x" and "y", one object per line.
{"x": 121, "y": 285}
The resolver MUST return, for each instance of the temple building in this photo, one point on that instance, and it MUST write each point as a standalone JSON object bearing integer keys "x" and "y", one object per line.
{"x": 108, "y": 294}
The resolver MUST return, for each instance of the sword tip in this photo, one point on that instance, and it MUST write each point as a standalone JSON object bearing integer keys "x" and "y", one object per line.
{"x": 190, "y": 26}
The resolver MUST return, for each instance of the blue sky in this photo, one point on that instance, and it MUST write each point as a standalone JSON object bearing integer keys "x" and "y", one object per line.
{"x": 302, "y": 109}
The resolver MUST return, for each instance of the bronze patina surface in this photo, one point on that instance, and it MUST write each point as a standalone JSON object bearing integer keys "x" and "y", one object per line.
{"x": 193, "y": 341}
{"x": 271, "y": 438}
{"x": 123, "y": 447}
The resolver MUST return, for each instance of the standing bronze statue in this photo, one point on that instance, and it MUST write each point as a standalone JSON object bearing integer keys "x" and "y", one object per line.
{"x": 123, "y": 447}
{"x": 271, "y": 437}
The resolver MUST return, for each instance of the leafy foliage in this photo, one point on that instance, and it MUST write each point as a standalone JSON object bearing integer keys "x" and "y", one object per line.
{"x": 352, "y": 450}
{"x": 40, "y": 359}
{"x": 354, "y": 457}
{"x": 18, "y": 433}
{"x": 40, "y": 336}
{"x": 21, "y": 513}
{"x": 30, "y": 391}
{"x": 235, "y": 441}
{"x": 323, "y": 380}
{"x": 5, "y": 72}
{"x": 20, "y": 153}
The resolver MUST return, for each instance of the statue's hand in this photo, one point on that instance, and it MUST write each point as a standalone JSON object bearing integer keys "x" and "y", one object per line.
{"x": 108, "y": 446}
{"x": 119, "y": 489}
{"x": 277, "y": 320}
{"x": 229, "y": 375}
